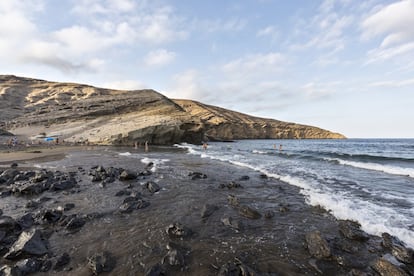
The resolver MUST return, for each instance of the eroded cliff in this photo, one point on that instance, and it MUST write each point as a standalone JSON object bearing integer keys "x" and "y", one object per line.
{"x": 77, "y": 112}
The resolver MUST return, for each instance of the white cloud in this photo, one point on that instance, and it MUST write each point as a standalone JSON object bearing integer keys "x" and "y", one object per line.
{"x": 135, "y": 21}
{"x": 15, "y": 27}
{"x": 80, "y": 40}
{"x": 103, "y": 25}
{"x": 270, "y": 31}
{"x": 380, "y": 54}
{"x": 393, "y": 83}
{"x": 159, "y": 57}
{"x": 319, "y": 90}
{"x": 393, "y": 23}
{"x": 187, "y": 85}
{"x": 88, "y": 7}
{"x": 327, "y": 30}
{"x": 220, "y": 25}
{"x": 256, "y": 64}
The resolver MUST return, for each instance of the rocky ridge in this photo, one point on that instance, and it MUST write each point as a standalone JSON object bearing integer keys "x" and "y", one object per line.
{"x": 77, "y": 112}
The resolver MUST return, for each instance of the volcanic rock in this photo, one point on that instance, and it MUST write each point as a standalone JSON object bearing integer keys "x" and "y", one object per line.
{"x": 29, "y": 243}
{"x": 208, "y": 210}
{"x": 352, "y": 231}
{"x": 386, "y": 268}
{"x": 317, "y": 245}
{"x": 28, "y": 266}
{"x": 101, "y": 262}
{"x": 249, "y": 212}
{"x": 398, "y": 249}
{"x": 177, "y": 230}
{"x": 152, "y": 187}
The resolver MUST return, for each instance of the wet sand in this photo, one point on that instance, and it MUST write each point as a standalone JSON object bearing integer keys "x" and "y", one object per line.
{"x": 253, "y": 225}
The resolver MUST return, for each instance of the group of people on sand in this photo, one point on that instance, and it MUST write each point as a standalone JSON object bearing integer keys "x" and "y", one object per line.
{"x": 12, "y": 142}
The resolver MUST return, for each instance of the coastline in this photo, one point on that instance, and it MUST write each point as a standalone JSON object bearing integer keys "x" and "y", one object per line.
{"x": 233, "y": 219}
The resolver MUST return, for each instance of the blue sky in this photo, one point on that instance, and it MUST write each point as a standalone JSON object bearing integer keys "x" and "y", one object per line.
{"x": 344, "y": 65}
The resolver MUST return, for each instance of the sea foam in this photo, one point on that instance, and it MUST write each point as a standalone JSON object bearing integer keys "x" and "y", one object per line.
{"x": 376, "y": 167}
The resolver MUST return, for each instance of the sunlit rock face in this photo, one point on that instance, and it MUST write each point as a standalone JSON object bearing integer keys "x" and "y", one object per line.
{"x": 77, "y": 112}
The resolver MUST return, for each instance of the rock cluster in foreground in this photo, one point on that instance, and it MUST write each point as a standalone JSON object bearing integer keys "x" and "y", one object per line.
{"x": 77, "y": 113}
{"x": 179, "y": 221}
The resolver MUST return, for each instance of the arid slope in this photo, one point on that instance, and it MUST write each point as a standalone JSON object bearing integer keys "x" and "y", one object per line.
{"x": 77, "y": 112}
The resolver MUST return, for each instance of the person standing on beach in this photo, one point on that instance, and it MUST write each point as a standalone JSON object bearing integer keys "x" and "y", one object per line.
{"x": 146, "y": 146}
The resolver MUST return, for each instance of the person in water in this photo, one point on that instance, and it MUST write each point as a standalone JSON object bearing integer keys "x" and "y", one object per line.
{"x": 280, "y": 147}
{"x": 205, "y": 146}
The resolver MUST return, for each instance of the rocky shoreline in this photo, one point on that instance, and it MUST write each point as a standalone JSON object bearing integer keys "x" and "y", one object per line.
{"x": 127, "y": 212}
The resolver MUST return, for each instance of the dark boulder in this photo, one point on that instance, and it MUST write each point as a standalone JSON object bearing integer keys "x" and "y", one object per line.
{"x": 318, "y": 247}
{"x": 7, "y": 176}
{"x": 62, "y": 261}
{"x": 197, "y": 175}
{"x": 269, "y": 214}
{"x": 7, "y": 224}
{"x": 386, "y": 268}
{"x": 351, "y": 230}
{"x": 398, "y": 249}
{"x": 123, "y": 193}
{"x": 230, "y": 185}
{"x": 127, "y": 175}
{"x": 9, "y": 173}
{"x": 263, "y": 176}
{"x": 152, "y": 187}
{"x": 236, "y": 268}
{"x": 29, "y": 243}
{"x": 232, "y": 223}
{"x": 133, "y": 203}
{"x": 68, "y": 206}
{"x": 52, "y": 216}
{"x": 177, "y": 230}
{"x": 26, "y": 221}
{"x": 75, "y": 223}
{"x": 174, "y": 257}
{"x": 101, "y": 262}
{"x": 29, "y": 266}
{"x": 62, "y": 185}
{"x": 233, "y": 200}
{"x": 29, "y": 188}
{"x": 10, "y": 271}
{"x": 41, "y": 176}
{"x": 208, "y": 210}
{"x": 249, "y": 212}
{"x": 156, "y": 270}
{"x": 149, "y": 166}
{"x": 145, "y": 173}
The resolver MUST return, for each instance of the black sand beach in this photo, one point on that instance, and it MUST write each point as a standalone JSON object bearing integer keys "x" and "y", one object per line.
{"x": 96, "y": 211}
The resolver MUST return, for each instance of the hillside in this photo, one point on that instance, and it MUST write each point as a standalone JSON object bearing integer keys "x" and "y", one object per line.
{"x": 77, "y": 112}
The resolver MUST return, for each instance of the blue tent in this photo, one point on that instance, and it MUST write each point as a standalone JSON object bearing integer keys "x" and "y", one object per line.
{"x": 48, "y": 139}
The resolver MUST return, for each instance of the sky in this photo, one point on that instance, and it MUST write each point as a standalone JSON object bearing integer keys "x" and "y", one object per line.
{"x": 342, "y": 65}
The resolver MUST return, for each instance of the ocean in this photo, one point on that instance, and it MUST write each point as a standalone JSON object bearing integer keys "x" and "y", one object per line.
{"x": 366, "y": 180}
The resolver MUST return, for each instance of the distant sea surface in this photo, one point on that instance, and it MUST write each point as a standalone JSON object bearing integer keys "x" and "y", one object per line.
{"x": 367, "y": 180}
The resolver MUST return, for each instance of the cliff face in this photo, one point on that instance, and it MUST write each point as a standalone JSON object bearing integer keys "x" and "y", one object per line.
{"x": 78, "y": 112}
{"x": 223, "y": 124}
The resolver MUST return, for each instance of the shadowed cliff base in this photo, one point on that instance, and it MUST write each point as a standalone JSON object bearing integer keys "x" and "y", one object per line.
{"x": 81, "y": 113}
